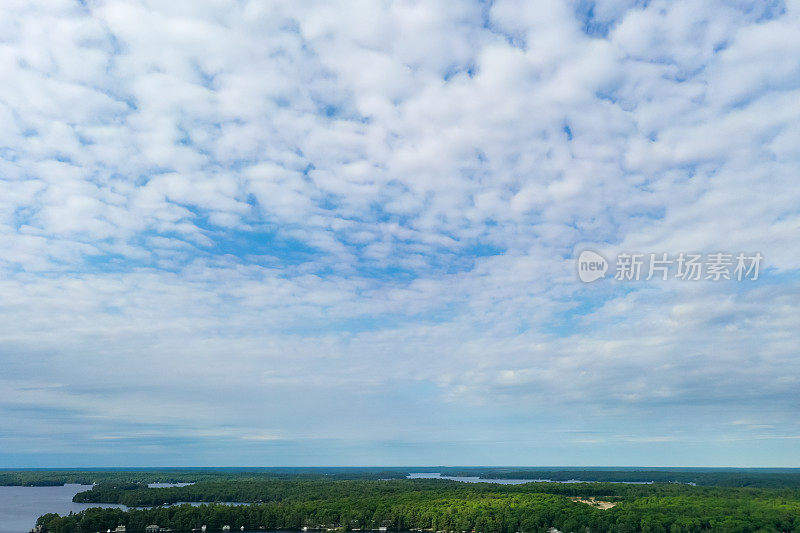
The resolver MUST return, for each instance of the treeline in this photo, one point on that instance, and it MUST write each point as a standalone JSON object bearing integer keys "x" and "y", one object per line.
{"x": 44, "y": 478}
{"x": 650, "y": 508}
{"x": 723, "y": 478}
{"x": 280, "y": 490}
{"x": 250, "y": 491}
{"x": 720, "y": 478}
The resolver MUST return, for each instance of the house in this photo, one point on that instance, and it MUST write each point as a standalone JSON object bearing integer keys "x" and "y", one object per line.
{"x": 120, "y": 529}
{"x": 226, "y": 528}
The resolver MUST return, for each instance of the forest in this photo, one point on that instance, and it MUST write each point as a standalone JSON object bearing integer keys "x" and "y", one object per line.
{"x": 734, "y": 477}
{"x": 294, "y": 502}
{"x": 44, "y": 478}
{"x": 739, "y": 477}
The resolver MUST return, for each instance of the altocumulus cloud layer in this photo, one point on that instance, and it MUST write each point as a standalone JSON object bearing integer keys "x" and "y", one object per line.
{"x": 344, "y": 233}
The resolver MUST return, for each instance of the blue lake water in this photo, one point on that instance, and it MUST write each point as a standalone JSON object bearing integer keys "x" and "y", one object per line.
{"x": 21, "y": 506}
{"x": 471, "y": 479}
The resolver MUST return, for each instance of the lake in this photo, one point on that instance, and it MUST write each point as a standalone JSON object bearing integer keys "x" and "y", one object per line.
{"x": 21, "y": 506}
{"x": 470, "y": 479}
{"x": 475, "y": 479}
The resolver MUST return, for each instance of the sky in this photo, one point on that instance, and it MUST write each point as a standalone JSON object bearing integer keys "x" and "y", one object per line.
{"x": 245, "y": 233}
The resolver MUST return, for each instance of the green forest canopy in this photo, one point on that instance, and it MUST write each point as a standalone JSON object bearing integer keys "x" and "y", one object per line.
{"x": 359, "y": 499}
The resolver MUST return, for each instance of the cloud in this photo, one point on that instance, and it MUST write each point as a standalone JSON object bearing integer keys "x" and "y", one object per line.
{"x": 284, "y": 220}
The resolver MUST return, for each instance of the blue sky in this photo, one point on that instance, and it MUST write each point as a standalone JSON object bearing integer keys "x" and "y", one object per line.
{"x": 344, "y": 233}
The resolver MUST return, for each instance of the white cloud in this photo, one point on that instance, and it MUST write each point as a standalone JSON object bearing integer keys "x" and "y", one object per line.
{"x": 361, "y": 196}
